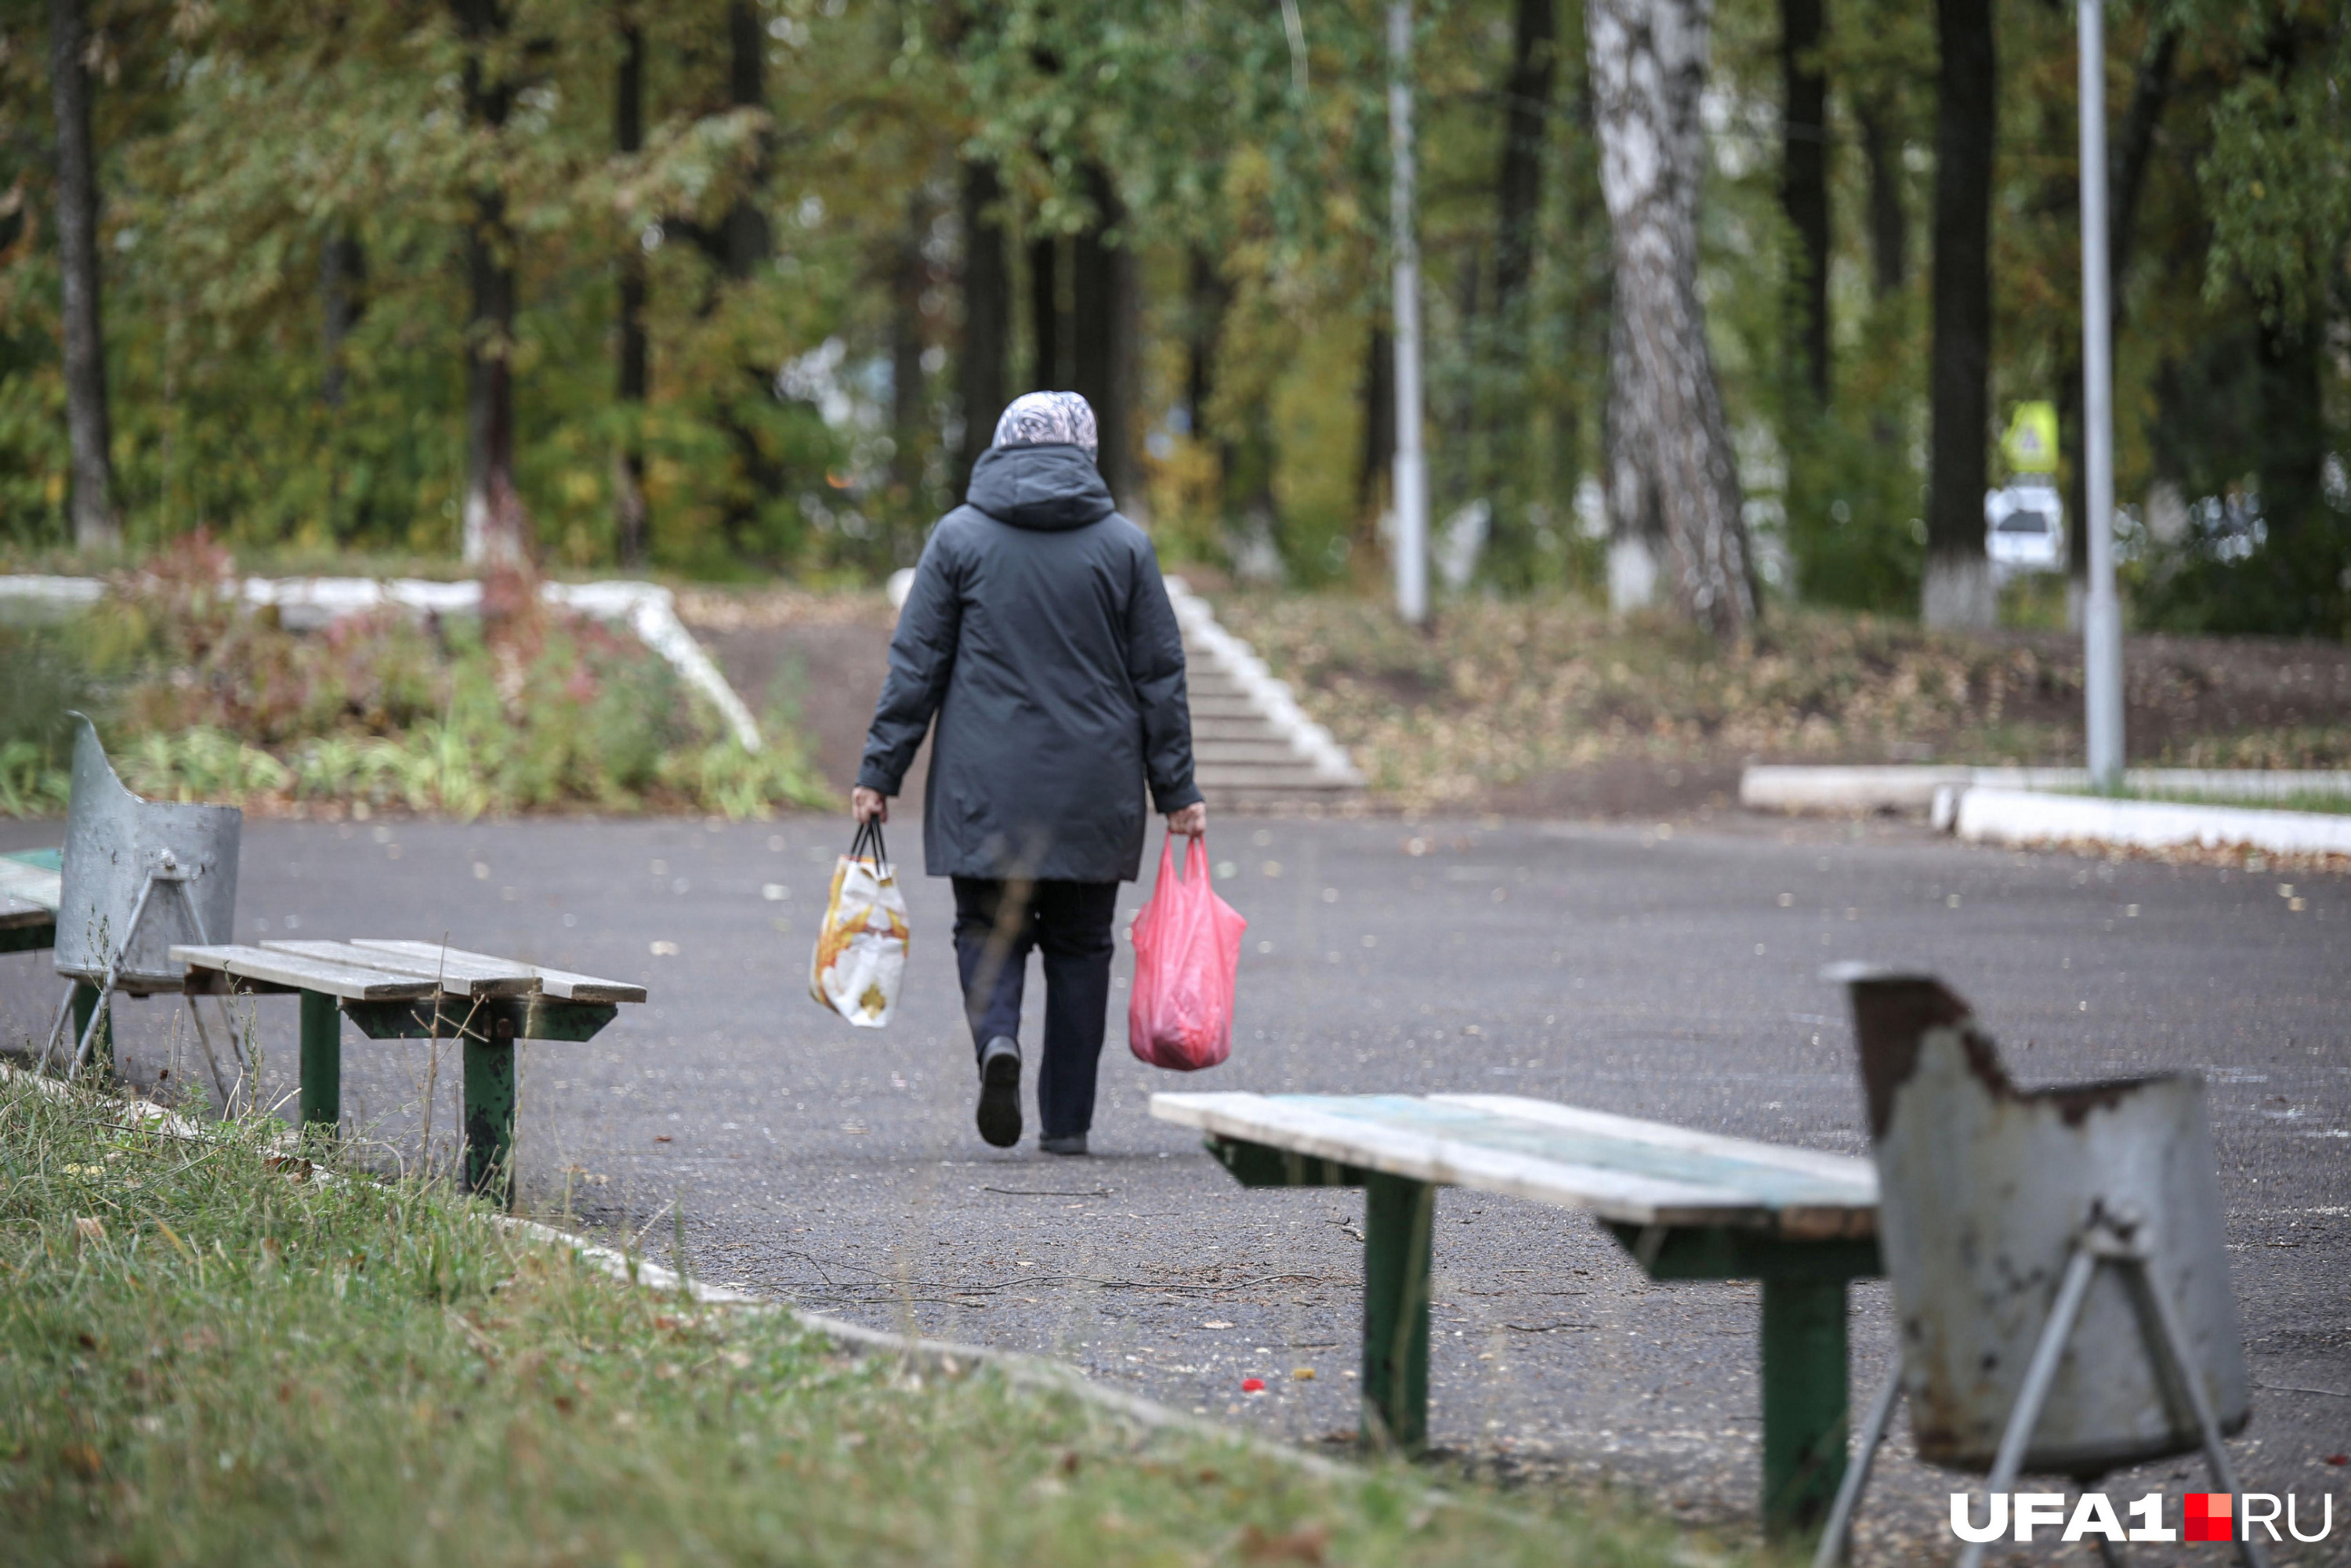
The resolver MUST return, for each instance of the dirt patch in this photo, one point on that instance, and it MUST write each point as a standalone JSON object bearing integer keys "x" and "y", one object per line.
{"x": 821, "y": 657}
{"x": 1620, "y": 786}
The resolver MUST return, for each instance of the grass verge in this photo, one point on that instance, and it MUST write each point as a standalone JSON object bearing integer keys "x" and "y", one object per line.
{"x": 209, "y": 1359}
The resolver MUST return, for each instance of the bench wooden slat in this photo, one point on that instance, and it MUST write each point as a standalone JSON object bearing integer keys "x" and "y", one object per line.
{"x": 1632, "y": 1172}
{"x": 458, "y": 973}
{"x": 20, "y": 911}
{"x": 29, "y": 883}
{"x": 1852, "y": 1171}
{"x": 559, "y": 983}
{"x": 347, "y": 982}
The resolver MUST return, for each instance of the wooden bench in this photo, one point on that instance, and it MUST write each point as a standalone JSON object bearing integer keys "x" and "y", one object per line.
{"x": 31, "y": 887}
{"x": 418, "y": 990}
{"x": 1687, "y": 1205}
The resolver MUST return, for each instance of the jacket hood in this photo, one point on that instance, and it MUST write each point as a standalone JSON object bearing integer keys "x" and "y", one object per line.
{"x": 1043, "y": 487}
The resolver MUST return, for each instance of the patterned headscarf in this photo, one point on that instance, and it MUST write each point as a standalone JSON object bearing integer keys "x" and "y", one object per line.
{"x": 1049, "y": 419}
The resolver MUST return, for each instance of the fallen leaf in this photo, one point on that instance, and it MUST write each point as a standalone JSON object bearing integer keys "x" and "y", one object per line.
{"x": 1303, "y": 1544}
{"x": 89, "y": 1229}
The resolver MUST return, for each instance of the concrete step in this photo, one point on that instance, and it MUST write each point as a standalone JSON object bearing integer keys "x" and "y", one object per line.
{"x": 1260, "y": 776}
{"x": 1267, "y": 752}
{"x": 1223, "y": 728}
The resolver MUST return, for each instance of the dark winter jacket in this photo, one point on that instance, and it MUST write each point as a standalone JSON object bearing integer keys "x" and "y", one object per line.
{"x": 1038, "y": 630}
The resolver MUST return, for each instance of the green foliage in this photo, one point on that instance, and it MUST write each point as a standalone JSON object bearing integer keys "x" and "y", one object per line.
{"x": 246, "y": 143}
{"x": 214, "y": 1356}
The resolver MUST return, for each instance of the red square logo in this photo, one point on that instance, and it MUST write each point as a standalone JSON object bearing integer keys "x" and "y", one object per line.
{"x": 2209, "y": 1516}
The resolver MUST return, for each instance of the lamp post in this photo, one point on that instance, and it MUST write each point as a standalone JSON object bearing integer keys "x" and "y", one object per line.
{"x": 2102, "y": 628}
{"x": 1411, "y": 471}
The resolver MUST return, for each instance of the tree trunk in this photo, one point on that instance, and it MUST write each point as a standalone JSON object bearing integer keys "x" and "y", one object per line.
{"x": 1049, "y": 367}
{"x": 1804, "y": 188}
{"x": 1957, "y": 590}
{"x": 1379, "y": 423}
{"x": 495, "y": 528}
{"x": 747, "y": 240}
{"x": 343, "y": 273}
{"x": 1889, "y": 216}
{"x": 1526, "y": 125}
{"x": 88, "y": 428}
{"x": 1205, "y": 331}
{"x": 909, "y": 404}
{"x": 1499, "y": 408}
{"x": 987, "y": 317}
{"x": 1104, "y": 307}
{"x": 1636, "y": 533}
{"x": 630, "y": 524}
{"x": 1648, "y": 67}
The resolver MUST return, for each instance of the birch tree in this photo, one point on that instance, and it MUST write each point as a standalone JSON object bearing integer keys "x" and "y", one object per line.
{"x": 1667, "y": 419}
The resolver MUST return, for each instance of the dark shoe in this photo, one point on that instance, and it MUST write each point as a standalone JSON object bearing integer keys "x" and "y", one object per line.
{"x": 1075, "y": 1144}
{"x": 999, "y": 1091}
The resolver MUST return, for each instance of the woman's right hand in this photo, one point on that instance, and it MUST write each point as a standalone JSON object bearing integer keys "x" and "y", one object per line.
{"x": 868, "y": 805}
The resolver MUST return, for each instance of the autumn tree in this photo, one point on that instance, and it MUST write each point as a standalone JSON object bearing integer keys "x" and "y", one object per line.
{"x": 1648, "y": 69}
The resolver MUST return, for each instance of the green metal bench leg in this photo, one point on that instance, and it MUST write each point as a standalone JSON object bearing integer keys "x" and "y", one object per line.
{"x": 1397, "y": 1214}
{"x": 1804, "y": 1415}
{"x": 102, "y": 1050}
{"x": 490, "y": 1114}
{"x": 322, "y": 1062}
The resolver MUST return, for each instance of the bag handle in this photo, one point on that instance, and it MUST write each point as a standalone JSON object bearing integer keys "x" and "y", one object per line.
{"x": 1195, "y": 857}
{"x": 870, "y": 832}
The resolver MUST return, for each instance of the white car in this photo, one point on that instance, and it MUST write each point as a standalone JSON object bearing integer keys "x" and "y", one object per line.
{"x": 2024, "y": 528}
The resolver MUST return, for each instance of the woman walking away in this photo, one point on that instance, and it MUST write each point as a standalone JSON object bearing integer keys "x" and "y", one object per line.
{"x": 1038, "y": 633}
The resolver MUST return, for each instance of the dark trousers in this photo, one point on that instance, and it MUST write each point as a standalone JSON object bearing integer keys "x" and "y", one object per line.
{"x": 997, "y": 923}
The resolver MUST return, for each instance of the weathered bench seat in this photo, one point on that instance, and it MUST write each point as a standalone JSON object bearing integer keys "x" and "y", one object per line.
{"x": 417, "y": 990}
{"x": 1686, "y": 1205}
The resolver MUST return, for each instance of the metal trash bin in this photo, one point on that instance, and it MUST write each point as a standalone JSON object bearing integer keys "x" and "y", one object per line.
{"x": 1984, "y": 1190}
{"x": 2060, "y": 1271}
{"x": 117, "y": 915}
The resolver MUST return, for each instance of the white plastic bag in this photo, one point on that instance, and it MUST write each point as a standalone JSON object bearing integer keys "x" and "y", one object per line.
{"x": 860, "y": 948}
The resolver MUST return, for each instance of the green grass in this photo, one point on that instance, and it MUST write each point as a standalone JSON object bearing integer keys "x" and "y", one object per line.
{"x": 207, "y": 1360}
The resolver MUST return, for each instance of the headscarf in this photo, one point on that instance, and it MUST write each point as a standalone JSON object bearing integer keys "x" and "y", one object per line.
{"x": 1049, "y": 419}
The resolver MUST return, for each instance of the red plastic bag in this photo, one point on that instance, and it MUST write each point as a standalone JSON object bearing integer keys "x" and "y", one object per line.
{"x": 1187, "y": 956}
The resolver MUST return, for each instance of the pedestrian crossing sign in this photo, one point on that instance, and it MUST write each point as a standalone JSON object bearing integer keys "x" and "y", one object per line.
{"x": 2030, "y": 443}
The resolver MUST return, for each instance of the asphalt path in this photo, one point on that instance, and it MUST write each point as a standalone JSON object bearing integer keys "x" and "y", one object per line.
{"x": 1661, "y": 970}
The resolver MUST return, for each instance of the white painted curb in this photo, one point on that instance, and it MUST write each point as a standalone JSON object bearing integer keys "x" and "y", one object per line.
{"x": 1270, "y": 698}
{"x": 2028, "y": 817}
{"x": 1913, "y": 789}
{"x": 649, "y": 610}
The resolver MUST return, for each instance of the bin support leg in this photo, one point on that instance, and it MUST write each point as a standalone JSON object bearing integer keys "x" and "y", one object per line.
{"x": 1804, "y": 1415}
{"x": 1398, "y": 1213}
{"x": 322, "y": 1063}
{"x": 490, "y": 1114}
{"x": 102, "y": 1050}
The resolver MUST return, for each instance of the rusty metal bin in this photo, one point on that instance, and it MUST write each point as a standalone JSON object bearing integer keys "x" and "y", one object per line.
{"x": 1987, "y": 1193}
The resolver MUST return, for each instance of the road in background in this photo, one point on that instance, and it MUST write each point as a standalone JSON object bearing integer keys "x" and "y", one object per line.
{"x": 1661, "y": 971}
